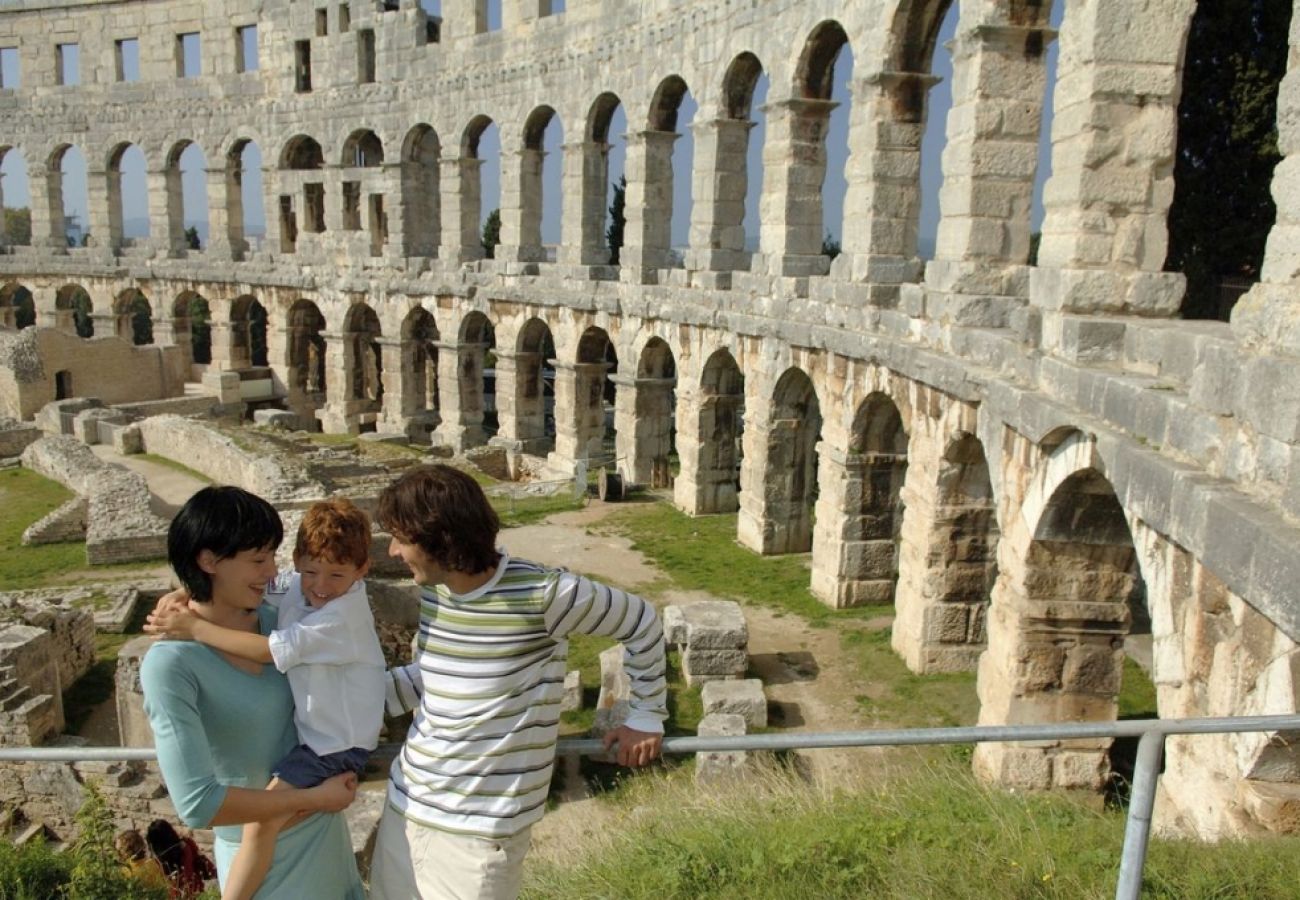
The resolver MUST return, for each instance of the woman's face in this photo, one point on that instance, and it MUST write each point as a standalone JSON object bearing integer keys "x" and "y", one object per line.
{"x": 240, "y": 580}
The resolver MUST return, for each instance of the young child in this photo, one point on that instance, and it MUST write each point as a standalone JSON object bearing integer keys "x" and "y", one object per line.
{"x": 325, "y": 643}
{"x": 138, "y": 862}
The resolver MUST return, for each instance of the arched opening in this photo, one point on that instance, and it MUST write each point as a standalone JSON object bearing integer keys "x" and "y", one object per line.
{"x": 128, "y": 195}
{"x": 187, "y": 196}
{"x": 720, "y": 426}
{"x": 192, "y": 327}
{"x": 594, "y": 398}
{"x": 873, "y": 515}
{"x": 306, "y": 349}
{"x": 740, "y": 156}
{"x": 68, "y": 196}
{"x": 363, "y": 191}
{"x": 246, "y": 212}
{"x": 1065, "y": 617}
{"x": 420, "y": 362}
{"x": 248, "y": 325}
{"x": 364, "y": 363}
{"x": 362, "y": 150}
{"x": 421, "y": 211}
{"x": 15, "y": 197}
{"x": 534, "y": 413}
{"x": 301, "y": 162}
{"x": 604, "y": 185}
{"x": 541, "y": 167}
{"x": 652, "y": 458}
{"x": 476, "y": 375}
{"x": 820, "y": 126}
{"x": 63, "y": 389}
{"x": 134, "y": 317}
{"x": 480, "y": 188}
{"x": 17, "y": 306}
{"x": 790, "y": 477}
{"x": 74, "y": 310}
{"x": 668, "y": 193}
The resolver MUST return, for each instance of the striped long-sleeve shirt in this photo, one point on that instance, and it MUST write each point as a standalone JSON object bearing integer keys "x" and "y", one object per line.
{"x": 486, "y": 686}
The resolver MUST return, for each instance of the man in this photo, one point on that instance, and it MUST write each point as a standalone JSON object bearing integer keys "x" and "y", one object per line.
{"x": 486, "y": 684}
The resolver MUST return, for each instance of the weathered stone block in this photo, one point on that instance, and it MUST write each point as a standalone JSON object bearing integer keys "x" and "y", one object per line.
{"x": 713, "y": 765}
{"x": 674, "y": 625}
{"x": 572, "y": 699}
{"x": 700, "y": 664}
{"x": 743, "y": 698}
{"x": 715, "y": 624}
{"x": 1079, "y": 769}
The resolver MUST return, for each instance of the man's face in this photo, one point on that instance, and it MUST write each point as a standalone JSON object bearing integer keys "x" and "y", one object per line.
{"x": 423, "y": 569}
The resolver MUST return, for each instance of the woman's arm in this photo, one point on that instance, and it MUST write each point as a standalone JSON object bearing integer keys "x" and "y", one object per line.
{"x": 247, "y": 805}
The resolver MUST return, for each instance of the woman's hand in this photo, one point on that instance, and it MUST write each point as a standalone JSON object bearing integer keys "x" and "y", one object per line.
{"x": 333, "y": 794}
{"x": 171, "y": 617}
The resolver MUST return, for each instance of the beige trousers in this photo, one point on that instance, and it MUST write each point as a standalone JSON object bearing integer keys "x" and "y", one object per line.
{"x": 414, "y": 862}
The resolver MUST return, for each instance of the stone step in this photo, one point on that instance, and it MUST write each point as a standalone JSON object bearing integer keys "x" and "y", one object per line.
{"x": 13, "y": 695}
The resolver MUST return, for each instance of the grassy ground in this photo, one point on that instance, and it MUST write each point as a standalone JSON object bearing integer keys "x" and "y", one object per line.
{"x": 25, "y": 497}
{"x": 936, "y": 834}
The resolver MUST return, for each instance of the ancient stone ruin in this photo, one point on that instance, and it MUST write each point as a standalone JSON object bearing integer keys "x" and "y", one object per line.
{"x": 1030, "y": 461}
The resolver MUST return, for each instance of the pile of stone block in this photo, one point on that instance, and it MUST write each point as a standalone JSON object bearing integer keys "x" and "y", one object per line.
{"x": 713, "y": 638}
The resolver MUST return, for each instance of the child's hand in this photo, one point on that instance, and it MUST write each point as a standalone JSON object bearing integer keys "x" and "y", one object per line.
{"x": 172, "y": 617}
{"x": 334, "y": 794}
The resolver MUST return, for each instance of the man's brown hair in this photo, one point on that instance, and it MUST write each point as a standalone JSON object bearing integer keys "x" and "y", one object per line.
{"x": 334, "y": 531}
{"x": 446, "y": 514}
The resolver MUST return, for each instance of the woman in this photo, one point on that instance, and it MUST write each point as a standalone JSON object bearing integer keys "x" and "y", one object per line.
{"x": 220, "y": 723}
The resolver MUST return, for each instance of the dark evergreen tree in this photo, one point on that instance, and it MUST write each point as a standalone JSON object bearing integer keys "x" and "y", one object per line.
{"x": 492, "y": 233}
{"x": 617, "y": 220}
{"x": 1227, "y": 147}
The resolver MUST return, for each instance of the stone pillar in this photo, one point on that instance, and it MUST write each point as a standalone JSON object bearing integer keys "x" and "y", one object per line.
{"x": 585, "y": 188}
{"x": 166, "y": 210}
{"x": 643, "y": 425}
{"x": 460, "y": 391}
{"x": 462, "y": 239}
{"x": 225, "y": 347}
{"x": 521, "y": 206}
{"x": 579, "y": 414}
{"x": 769, "y": 522}
{"x": 225, "y": 215}
{"x": 398, "y": 402}
{"x": 1267, "y": 318}
{"x": 337, "y": 415}
{"x": 104, "y": 200}
{"x": 883, "y": 202}
{"x": 48, "y": 315}
{"x": 523, "y": 12}
{"x": 649, "y": 203}
{"x": 1105, "y": 235}
{"x": 721, "y": 177}
{"x": 46, "y": 190}
{"x": 979, "y": 273}
{"x": 707, "y": 450}
{"x": 794, "y": 166}
{"x": 521, "y": 406}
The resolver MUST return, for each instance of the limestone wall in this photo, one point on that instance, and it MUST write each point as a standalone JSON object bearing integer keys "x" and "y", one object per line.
{"x": 15, "y": 436}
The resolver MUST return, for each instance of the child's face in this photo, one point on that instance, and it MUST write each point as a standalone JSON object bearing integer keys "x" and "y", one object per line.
{"x": 323, "y": 581}
{"x": 240, "y": 580}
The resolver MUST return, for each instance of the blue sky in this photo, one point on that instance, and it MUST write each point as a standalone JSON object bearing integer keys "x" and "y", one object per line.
{"x": 135, "y": 214}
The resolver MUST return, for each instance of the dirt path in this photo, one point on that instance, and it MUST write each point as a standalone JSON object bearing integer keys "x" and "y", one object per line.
{"x": 169, "y": 488}
{"x": 809, "y": 680}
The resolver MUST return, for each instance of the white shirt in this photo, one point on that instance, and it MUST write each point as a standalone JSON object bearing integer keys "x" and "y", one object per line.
{"x": 335, "y": 667}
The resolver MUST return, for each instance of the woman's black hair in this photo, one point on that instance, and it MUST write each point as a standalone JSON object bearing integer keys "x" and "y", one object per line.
{"x": 225, "y": 520}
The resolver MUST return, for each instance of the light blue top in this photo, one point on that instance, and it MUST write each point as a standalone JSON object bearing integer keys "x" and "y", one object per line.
{"x": 216, "y": 726}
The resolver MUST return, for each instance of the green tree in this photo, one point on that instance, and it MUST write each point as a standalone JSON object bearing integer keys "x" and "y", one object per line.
{"x": 18, "y": 226}
{"x": 192, "y": 238}
{"x": 617, "y": 220}
{"x": 492, "y": 233}
{"x": 1227, "y": 147}
{"x": 830, "y": 246}
{"x": 141, "y": 320}
{"x": 200, "y": 330}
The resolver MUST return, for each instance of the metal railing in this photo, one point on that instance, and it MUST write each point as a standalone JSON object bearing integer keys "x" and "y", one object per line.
{"x": 1151, "y": 734}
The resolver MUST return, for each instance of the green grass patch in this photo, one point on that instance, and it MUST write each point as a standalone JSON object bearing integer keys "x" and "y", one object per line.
{"x": 935, "y": 834}
{"x": 531, "y": 510}
{"x": 702, "y": 554}
{"x": 27, "y": 497}
{"x": 899, "y": 698}
{"x": 173, "y": 464}
{"x": 1137, "y": 693}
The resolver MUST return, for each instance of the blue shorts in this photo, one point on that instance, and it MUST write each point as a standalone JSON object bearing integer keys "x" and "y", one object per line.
{"x": 303, "y": 768}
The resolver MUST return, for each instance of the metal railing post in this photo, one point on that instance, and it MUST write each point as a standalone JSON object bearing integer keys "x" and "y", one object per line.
{"x": 1141, "y": 806}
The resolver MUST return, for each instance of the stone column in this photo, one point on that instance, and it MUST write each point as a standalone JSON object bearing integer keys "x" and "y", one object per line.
{"x": 225, "y": 215}
{"x": 521, "y": 408}
{"x": 643, "y": 424}
{"x": 48, "y": 315}
{"x": 769, "y": 522}
{"x": 579, "y": 414}
{"x": 1105, "y": 235}
{"x": 104, "y": 200}
{"x": 337, "y": 415}
{"x": 883, "y": 202}
{"x": 398, "y": 402}
{"x": 521, "y": 206}
{"x": 460, "y": 390}
{"x": 649, "y": 203}
{"x": 46, "y": 190}
{"x": 980, "y": 273}
{"x": 1267, "y": 318}
{"x": 585, "y": 187}
{"x": 707, "y": 450}
{"x": 794, "y": 166}
{"x": 166, "y": 211}
{"x": 462, "y": 239}
{"x": 717, "y": 241}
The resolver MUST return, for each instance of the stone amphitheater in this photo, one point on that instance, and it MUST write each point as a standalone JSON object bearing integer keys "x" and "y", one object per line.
{"x": 1035, "y": 463}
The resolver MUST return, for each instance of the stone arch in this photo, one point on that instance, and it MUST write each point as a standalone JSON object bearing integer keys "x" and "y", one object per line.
{"x": 69, "y": 208}
{"x": 470, "y": 189}
{"x": 584, "y": 427}
{"x": 598, "y": 190}
{"x": 420, "y": 338}
{"x": 539, "y": 142}
{"x": 532, "y": 420}
{"x": 301, "y": 153}
{"x": 306, "y": 356}
{"x": 184, "y": 160}
{"x": 362, "y": 150}
{"x": 651, "y": 204}
{"x": 126, "y": 174}
{"x": 363, "y": 364}
{"x": 13, "y": 164}
{"x": 192, "y": 328}
{"x": 244, "y": 204}
{"x": 74, "y": 310}
{"x": 421, "y": 210}
{"x": 646, "y": 417}
{"x": 789, "y": 478}
{"x": 17, "y": 306}
{"x": 709, "y": 442}
{"x": 133, "y": 316}
{"x": 248, "y": 332}
{"x": 300, "y": 165}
